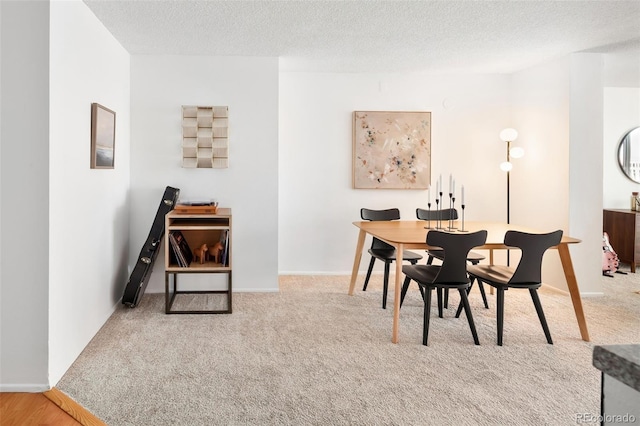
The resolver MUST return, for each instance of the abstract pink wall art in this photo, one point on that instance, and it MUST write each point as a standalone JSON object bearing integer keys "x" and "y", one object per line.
{"x": 391, "y": 150}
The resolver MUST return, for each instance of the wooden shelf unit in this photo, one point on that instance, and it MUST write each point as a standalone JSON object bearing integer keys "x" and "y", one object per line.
{"x": 623, "y": 227}
{"x": 197, "y": 229}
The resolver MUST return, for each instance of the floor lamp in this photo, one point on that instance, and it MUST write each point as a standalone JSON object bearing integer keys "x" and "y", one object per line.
{"x": 509, "y": 135}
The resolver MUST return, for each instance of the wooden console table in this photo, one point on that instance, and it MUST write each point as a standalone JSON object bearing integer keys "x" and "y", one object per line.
{"x": 623, "y": 227}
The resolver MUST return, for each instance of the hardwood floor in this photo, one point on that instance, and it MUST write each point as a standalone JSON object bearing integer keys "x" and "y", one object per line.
{"x": 51, "y": 408}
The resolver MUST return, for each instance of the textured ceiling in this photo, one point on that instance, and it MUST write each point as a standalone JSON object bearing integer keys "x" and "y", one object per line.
{"x": 375, "y": 36}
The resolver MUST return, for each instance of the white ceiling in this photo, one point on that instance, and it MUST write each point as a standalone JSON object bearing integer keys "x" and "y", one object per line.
{"x": 376, "y": 36}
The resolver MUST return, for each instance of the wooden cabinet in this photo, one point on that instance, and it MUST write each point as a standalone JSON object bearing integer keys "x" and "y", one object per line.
{"x": 623, "y": 227}
{"x": 199, "y": 229}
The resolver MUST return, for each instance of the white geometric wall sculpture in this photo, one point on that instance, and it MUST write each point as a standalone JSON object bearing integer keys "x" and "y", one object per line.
{"x": 205, "y": 142}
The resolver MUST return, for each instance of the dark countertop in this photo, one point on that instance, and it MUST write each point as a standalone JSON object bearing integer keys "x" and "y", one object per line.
{"x": 622, "y": 362}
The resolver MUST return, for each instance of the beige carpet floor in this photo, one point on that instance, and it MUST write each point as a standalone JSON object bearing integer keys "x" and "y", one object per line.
{"x": 313, "y": 355}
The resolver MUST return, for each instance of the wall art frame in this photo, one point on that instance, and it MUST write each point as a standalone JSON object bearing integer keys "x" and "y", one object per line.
{"x": 103, "y": 137}
{"x": 391, "y": 149}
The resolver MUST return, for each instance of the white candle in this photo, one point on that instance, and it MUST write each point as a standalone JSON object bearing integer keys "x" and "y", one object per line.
{"x": 462, "y": 195}
{"x": 440, "y": 183}
{"x": 429, "y": 194}
{"x": 450, "y": 183}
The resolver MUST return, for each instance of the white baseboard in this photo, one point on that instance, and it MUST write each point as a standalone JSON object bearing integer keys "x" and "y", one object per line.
{"x": 235, "y": 290}
{"x": 24, "y": 387}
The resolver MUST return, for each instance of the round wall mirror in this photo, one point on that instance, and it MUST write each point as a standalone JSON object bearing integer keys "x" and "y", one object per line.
{"x": 629, "y": 154}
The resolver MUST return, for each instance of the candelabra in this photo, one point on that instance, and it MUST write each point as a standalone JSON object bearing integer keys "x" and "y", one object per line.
{"x": 439, "y": 212}
{"x": 452, "y": 224}
{"x": 462, "y": 225}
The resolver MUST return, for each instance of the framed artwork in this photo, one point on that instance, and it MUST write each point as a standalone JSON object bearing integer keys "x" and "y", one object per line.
{"x": 391, "y": 150}
{"x": 103, "y": 137}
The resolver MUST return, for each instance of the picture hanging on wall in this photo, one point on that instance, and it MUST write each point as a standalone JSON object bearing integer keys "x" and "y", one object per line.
{"x": 391, "y": 150}
{"x": 103, "y": 137}
{"x": 205, "y": 136}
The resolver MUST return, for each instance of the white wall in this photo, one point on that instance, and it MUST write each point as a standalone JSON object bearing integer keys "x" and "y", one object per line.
{"x": 621, "y": 114}
{"x": 89, "y": 208}
{"x": 539, "y": 180}
{"x": 317, "y": 202}
{"x": 24, "y": 226}
{"x": 160, "y": 85}
{"x": 585, "y": 168}
{"x": 316, "y": 158}
{"x": 622, "y": 67}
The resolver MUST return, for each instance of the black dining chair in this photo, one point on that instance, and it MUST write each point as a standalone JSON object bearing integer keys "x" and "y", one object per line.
{"x": 528, "y": 273}
{"x": 473, "y": 257}
{"x": 383, "y": 251}
{"x": 451, "y": 274}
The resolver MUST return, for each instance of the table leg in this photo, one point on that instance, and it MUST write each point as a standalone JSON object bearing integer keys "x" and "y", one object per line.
{"x": 572, "y": 283}
{"x": 396, "y": 298}
{"x": 356, "y": 261}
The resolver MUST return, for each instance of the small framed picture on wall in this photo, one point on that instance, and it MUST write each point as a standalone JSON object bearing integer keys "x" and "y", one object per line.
{"x": 103, "y": 137}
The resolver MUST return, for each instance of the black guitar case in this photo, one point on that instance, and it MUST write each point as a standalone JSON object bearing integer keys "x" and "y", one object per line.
{"x": 140, "y": 275}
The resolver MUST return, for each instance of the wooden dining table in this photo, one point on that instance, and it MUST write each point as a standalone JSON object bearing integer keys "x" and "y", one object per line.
{"x": 411, "y": 234}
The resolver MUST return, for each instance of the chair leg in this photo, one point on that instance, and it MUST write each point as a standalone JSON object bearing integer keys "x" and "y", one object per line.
{"x": 446, "y": 298}
{"x": 427, "y": 314}
{"x": 484, "y": 295}
{"x": 467, "y": 310}
{"x": 429, "y": 262}
{"x": 459, "y": 311}
{"x": 461, "y": 306}
{"x": 366, "y": 280}
{"x": 415, "y": 262}
{"x": 421, "y": 292}
{"x": 500, "y": 313}
{"x": 543, "y": 320}
{"x": 481, "y": 287}
{"x": 385, "y": 289}
{"x": 405, "y": 287}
